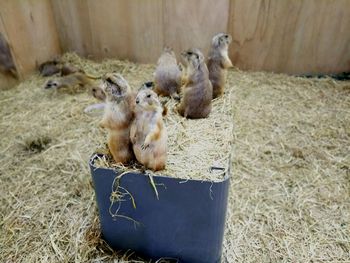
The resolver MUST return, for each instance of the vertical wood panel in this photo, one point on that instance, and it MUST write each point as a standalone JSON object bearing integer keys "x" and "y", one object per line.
{"x": 123, "y": 29}
{"x": 31, "y": 31}
{"x": 301, "y": 36}
{"x": 194, "y": 23}
{"x": 146, "y": 27}
{"x": 73, "y": 25}
{"x": 129, "y": 29}
{"x": 110, "y": 21}
{"x": 291, "y": 36}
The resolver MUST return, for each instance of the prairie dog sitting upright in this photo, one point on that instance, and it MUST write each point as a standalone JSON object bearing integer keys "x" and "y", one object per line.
{"x": 118, "y": 116}
{"x": 197, "y": 91}
{"x": 219, "y": 62}
{"x": 148, "y": 134}
{"x": 168, "y": 74}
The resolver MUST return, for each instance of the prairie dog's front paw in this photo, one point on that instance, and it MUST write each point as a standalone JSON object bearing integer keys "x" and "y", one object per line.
{"x": 146, "y": 143}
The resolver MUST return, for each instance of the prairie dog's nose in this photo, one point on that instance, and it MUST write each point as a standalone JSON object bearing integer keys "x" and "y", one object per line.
{"x": 137, "y": 101}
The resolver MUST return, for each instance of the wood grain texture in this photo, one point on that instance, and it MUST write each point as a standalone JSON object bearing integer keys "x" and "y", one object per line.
{"x": 309, "y": 36}
{"x": 119, "y": 29}
{"x": 73, "y": 25}
{"x": 299, "y": 36}
{"x": 193, "y": 23}
{"x": 31, "y": 31}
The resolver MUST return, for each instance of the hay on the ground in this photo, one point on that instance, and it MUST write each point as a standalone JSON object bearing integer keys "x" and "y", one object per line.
{"x": 289, "y": 192}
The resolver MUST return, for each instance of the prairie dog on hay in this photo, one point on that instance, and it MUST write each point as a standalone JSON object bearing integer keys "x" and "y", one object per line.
{"x": 219, "y": 62}
{"x": 148, "y": 134}
{"x": 49, "y": 68}
{"x": 197, "y": 90}
{"x": 78, "y": 79}
{"x": 118, "y": 116}
{"x": 67, "y": 69}
{"x": 168, "y": 74}
{"x": 52, "y": 67}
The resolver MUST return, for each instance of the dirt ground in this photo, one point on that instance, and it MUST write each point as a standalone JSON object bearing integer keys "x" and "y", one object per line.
{"x": 290, "y": 189}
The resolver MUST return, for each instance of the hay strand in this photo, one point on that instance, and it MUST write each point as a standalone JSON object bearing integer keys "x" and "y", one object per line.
{"x": 289, "y": 196}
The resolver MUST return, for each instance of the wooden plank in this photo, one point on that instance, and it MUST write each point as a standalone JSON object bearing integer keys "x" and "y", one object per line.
{"x": 146, "y": 27}
{"x": 308, "y": 36}
{"x": 130, "y": 29}
{"x": 110, "y": 35}
{"x": 193, "y": 23}
{"x": 123, "y": 29}
{"x": 73, "y": 25}
{"x": 31, "y": 31}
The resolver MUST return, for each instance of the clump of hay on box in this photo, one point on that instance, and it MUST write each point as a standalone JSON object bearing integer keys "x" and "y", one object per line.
{"x": 197, "y": 149}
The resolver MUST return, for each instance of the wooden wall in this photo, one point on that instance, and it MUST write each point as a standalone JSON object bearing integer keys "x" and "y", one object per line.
{"x": 292, "y": 36}
{"x": 30, "y": 29}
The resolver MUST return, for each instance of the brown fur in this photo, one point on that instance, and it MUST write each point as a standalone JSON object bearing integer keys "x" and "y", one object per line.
{"x": 118, "y": 116}
{"x": 218, "y": 63}
{"x": 148, "y": 134}
{"x": 197, "y": 90}
{"x": 55, "y": 66}
{"x": 92, "y": 84}
{"x": 49, "y": 68}
{"x": 7, "y": 64}
{"x": 69, "y": 69}
{"x": 168, "y": 74}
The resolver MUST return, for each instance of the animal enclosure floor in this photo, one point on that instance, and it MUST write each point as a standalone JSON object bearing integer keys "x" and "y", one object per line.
{"x": 290, "y": 190}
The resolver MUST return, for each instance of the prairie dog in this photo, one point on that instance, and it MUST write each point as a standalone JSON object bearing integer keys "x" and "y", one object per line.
{"x": 67, "y": 69}
{"x": 168, "y": 74}
{"x": 78, "y": 79}
{"x": 7, "y": 64}
{"x": 148, "y": 134}
{"x": 118, "y": 115}
{"x": 52, "y": 67}
{"x": 197, "y": 90}
{"x": 219, "y": 62}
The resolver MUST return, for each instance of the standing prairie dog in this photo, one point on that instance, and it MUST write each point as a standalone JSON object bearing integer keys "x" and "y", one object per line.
{"x": 118, "y": 116}
{"x": 168, "y": 74}
{"x": 219, "y": 62}
{"x": 148, "y": 134}
{"x": 197, "y": 90}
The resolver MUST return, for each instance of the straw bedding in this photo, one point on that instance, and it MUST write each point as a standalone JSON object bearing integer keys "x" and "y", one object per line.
{"x": 289, "y": 199}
